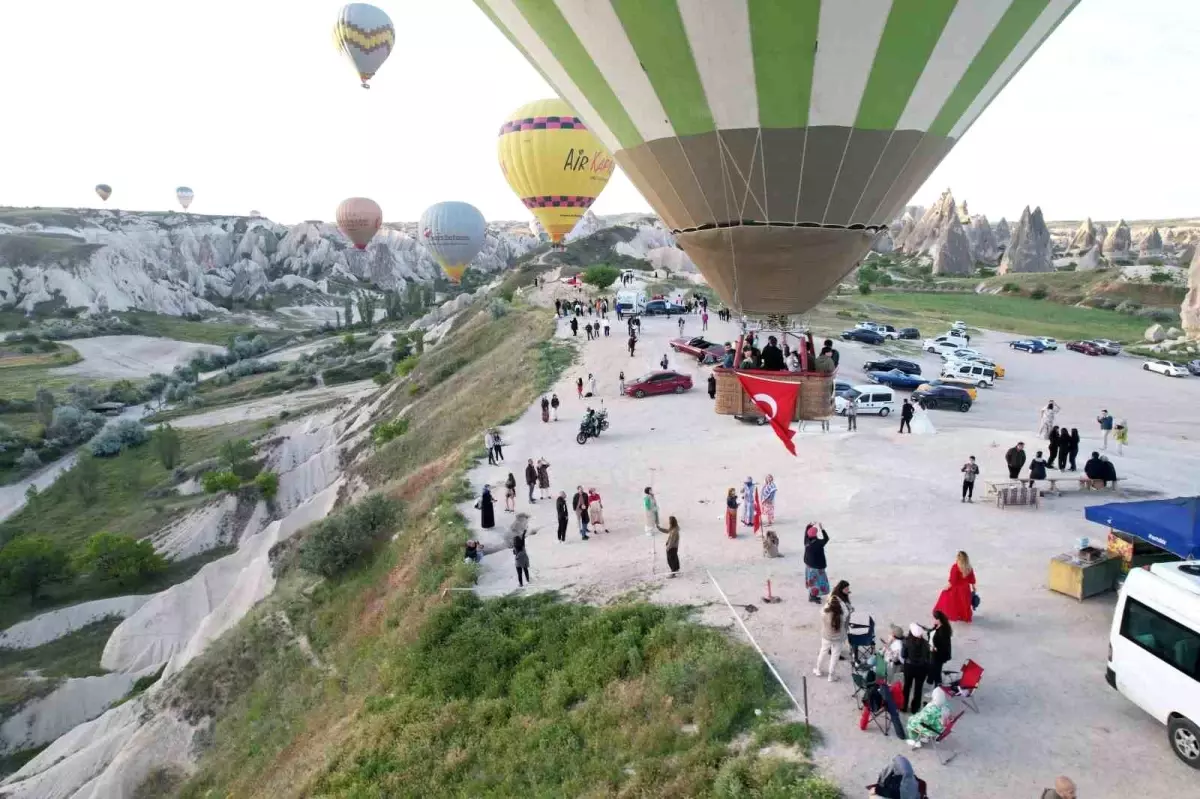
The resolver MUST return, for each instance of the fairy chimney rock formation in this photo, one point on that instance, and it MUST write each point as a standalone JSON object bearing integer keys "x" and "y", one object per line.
{"x": 1151, "y": 243}
{"x": 952, "y": 251}
{"x": 1084, "y": 238}
{"x": 903, "y": 231}
{"x": 984, "y": 248}
{"x": 1090, "y": 259}
{"x": 1029, "y": 250}
{"x": 1003, "y": 234}
{"x": 926, "y": 232}
{"x": 1118, "y": 241}
{"x": 1190, "y": 310}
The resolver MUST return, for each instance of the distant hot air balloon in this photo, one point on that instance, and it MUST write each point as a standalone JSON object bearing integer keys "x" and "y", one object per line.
{"x": 184, "y": 195}
{"x": 255, "y": 214}
{"x": 365, "y": 35}
{"x": 554, "y": 163}
{"x": 359, "y": 218}
{"x": 453, "y": 232}
{"x": 104, "y": 190}
{"x": 776, "y": 155}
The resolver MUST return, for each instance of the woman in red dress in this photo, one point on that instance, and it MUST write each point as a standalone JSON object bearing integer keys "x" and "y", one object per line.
{"x": 955, "y": 600}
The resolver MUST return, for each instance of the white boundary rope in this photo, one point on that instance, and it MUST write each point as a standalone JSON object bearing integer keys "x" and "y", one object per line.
{"x": 761, "y": 653}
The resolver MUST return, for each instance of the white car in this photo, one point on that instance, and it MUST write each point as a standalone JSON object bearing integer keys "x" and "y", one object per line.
{"x": 943, "y": 344}
{"x": 887, "y": 331}
{"x": 959, "y": 325}
{"x": 1165, "y": 368}
{"x": 1048, "y": 343}
{"x": 871, "y": 399}
{"x": 962, "y": 354}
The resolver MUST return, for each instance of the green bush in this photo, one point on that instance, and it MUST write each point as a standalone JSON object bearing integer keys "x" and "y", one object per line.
{"x": 346, "y": 539}
{"x": 446, "y": 371}
{"x": 1161, "y": 277}
{"x": 1011, "y": 288}
{"x": 864, "y": 287}
{"x": 360, "y": 370}
{"x": 268, "y": 484}
{"x": 216, "y": 482}
{"x": 31, "y": 561}
{"x": 1039, "y": 293}
{"x": 407, "y": 365}
{"x": 381, "y": 378}
{"x": 601, "y": 275}
{"x": 386, "y": 431}
{"x": 120, "y": 558}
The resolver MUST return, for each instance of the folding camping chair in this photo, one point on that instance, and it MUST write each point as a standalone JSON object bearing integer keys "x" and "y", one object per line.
{"x": 862, "y": 644}
{"x": 941, "y": 738}
{"x": 967, "y": 683}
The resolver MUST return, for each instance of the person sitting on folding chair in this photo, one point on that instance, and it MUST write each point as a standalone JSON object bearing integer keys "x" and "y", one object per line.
{"x": 930, "y": 721}
{"x": 898, "y": 781}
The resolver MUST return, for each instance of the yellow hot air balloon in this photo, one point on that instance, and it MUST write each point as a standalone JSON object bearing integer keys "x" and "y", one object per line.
{"x": 553, "y": 163}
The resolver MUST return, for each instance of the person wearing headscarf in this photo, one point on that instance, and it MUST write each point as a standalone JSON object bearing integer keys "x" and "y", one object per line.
{"x": 930, "y": 722}
{"x": 1046, "y": 419}
{"x": 487, "y": 517}
{"x": 596, "y": 511}
{"x": 815, "y": 579}
{"x": 1122, "y": 436}
{"x": 650, "y": 508}
{"x": 768, "y": 500}
{"x": 915, "y": 654}
{"x": 543, "y": 478}
{"x": 897, "y": 781}
{"x": 748, "y": 502}
{"x": 731, "y": 513}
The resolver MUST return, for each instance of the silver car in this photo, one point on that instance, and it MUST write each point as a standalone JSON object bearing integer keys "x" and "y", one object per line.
{"x": 1108, "y": 346}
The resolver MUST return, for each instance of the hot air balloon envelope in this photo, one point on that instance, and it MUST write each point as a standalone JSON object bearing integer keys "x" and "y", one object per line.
{"x": 553, "y": 163}
{"x": 453, "y": 232}
{"x": 184, "y": 195}
{"x": 364, "y": 34}
{"x": 359, "y": 218}
{"x": 777, "y": 137}
{"x": 104, "y": 190}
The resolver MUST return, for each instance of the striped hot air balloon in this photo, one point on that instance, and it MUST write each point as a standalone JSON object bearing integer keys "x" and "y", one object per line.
{"x": 359, "y": 219}
{"x": 777, "y": 137}
{"x": 364, "y": 34}
{"x": 553, "y": 163}
{"x": 184, "y": 195}
{"x": 453, "y": 232}
{"x": 104, "y": 190}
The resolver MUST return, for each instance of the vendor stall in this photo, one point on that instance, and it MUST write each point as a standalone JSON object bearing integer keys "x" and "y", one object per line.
{"x": 1169, "y": 525}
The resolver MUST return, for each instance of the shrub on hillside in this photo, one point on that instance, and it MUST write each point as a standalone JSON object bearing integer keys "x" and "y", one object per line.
{"x": 382, "y": 378}
{"x": 121, "y": 435}
{"x": 1039, "y": 293}
{"x": 29, "y": 461}
{"x": 864, "y": 287}
{"x": 344, "y": 540}
{"x": 268, "y": 484}
{"x": 216, "y": 482}
{"x": 498, "y": 308}
{"x": 1011, "y": 288}
{"x": 360, "y": 370}
{"x": 386, "y": 431}
{"x": 120, "y": 558}
{"x": 29, "y": 562}
{"x": 73, "y": 425}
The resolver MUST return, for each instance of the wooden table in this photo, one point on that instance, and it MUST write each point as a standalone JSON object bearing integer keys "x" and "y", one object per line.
{"x": 1081, "y": 578}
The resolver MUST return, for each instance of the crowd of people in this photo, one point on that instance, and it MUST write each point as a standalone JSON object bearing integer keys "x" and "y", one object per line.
{"x": 1062, "y": 450}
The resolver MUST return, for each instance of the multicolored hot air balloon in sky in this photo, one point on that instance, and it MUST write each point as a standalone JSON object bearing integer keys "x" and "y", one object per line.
{"x": 777, "y": 137}
{"x": 184, "y": 195}
{"x": 104, "y": 190}
{"x": 364, "y": 34}
{"x": 453, "y": 232}
{"x": 553, "y": 163}
{"x": 359, "y": 219}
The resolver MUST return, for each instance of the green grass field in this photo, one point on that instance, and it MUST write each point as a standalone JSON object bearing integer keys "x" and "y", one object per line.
{"x": 933, "y": 312}
{"x": 203, "y": 332}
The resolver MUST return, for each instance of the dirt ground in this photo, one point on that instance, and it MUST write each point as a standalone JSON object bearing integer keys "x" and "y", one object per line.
{"x": 891, "y": 505}
{"x": 130, "y": 357}
{"x": 271, "y": 406}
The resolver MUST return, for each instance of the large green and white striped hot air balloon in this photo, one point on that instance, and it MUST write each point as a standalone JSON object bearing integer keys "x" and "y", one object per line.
{"x": 777, "y": 137}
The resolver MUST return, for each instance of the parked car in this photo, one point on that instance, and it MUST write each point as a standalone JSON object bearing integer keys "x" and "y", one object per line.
{"x": 1194, "y": 367}
{"x": 1086, "y": 347}
{"x": 697, "y": 344}
{"x": 1027, "y": 345}
{"x": 869, "y": 325}
{"x": 959, "y": 325}
{"x": 996, "y": 368}
{"x": 972, "y": 392}
{"x": 951, "y": 397}
{"x": 896, "y": 379}
{"x": 973, "y": 373}
{"x": 908, "y": 332}
{"x": 1108, "y": 346}
{"x": 841, "y": 387}
{"x": 946, "y": 338}
{"x": 863, "y": 335}
{"x": 1165, "y": 368}
{"x": 941, "y": 346}
{"x": 658, "y": 383}
{"x": 871, "y": 399}
{"x": 1048, "y": 343}
{"x": 662, "y": 308}
{"x": 887, "y": 364}
{"x": 963, "y": 354}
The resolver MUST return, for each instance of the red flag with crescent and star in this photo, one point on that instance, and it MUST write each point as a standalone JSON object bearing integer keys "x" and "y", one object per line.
{"x": 776, "y": 399}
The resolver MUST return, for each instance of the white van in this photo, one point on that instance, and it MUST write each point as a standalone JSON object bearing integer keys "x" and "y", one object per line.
{"x": 631, "y": 301}
{"x": 977, "y": 373}
{"x": 871, "y": 399}
{"x": 1154, "y": 650}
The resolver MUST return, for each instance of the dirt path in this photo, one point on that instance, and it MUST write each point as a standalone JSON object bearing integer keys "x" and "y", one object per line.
{"x": 891, "y": 506}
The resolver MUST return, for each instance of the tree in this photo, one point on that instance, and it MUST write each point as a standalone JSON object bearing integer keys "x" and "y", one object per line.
{"x": 366, "y": 309}
{"x": 167, "y": 446}
{"x": 216, "y": 482}
{"x": 43, "y": 403}
{"x": 236, "y": 452}
{"x": 348, "y": 312}
{"x": 120, "y": 558}
{"x": 601, "y": 275}
{"x": 268, "y": 484}
{"x": 29, "y": 461}
{"x": 31, "y": 561}
{"x": 84, "y": 476}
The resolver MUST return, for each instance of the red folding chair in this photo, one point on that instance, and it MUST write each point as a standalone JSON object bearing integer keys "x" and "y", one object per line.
{"x": 966, "y": 685}
{"x": 945, "y": 733}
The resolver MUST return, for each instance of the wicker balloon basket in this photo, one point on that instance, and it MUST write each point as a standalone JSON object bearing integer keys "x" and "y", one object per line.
{"x": 815, "y": 400}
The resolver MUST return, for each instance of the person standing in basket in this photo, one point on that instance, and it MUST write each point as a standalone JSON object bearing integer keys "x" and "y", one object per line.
{"x": 815, "y": 579}
{"x": 970, "y": 470}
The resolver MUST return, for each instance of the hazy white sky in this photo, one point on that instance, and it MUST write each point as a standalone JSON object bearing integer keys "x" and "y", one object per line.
{"x": 248, "y": 103}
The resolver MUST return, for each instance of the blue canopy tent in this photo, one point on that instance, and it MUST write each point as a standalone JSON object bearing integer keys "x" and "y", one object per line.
{"x": 1170, "y": 524}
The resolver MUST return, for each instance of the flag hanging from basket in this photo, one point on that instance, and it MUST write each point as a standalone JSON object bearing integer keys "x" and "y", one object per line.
{"x": 775, "y": 399}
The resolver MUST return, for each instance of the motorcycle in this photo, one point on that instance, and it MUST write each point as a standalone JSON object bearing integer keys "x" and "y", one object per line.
{"x": 592, "y": 425}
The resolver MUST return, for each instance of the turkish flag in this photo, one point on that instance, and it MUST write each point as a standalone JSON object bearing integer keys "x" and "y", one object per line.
{"x": 757, "y": 513}
{"x": 776, "y": 399}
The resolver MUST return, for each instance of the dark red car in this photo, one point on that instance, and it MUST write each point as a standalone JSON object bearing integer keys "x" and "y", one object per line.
{"x": 1086, "y": 347}
{"x": 695, "y": 345}
{"x": 658, "y": 383}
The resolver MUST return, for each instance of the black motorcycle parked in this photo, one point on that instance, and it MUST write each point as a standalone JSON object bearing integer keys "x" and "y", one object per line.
{"x": 592, "y": 425}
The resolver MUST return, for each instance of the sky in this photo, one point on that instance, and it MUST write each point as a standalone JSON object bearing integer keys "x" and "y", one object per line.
{"x": 249, "y": 104}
